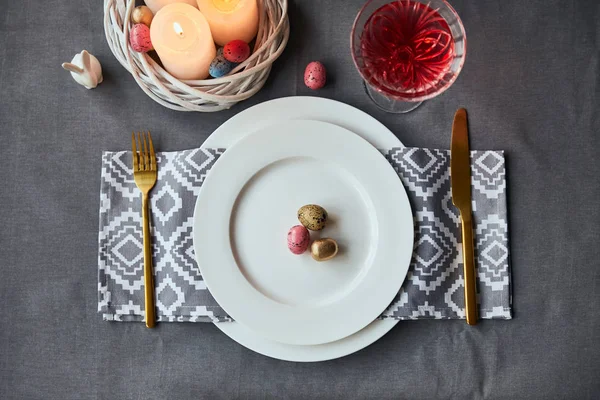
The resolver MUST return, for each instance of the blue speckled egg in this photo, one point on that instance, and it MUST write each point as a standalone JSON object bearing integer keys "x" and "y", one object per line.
{"x": 220, "y": 66}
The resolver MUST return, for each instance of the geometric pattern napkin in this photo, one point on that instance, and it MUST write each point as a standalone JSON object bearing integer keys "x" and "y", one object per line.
{"x": 434, "y": 284}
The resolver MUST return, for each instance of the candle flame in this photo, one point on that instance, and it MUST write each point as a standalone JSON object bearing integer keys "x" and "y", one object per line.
{"x": 178, "y": 29}
{"x": 225, "y": 5}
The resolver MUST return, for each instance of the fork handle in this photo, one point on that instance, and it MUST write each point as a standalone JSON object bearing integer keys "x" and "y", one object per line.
{"x": 148, "y": 274}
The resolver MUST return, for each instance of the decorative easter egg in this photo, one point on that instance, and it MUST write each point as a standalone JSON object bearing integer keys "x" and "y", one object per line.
{"x": 139, "y": 38}
{"x": 236, "y": 51}
{"x": 220, "y": 66}
{"x": 142, "y": 15}
{"x": 313, "y": 217}
{"x": 315, "y": 75}
{"x": 298, "y": 239}
{"x": 323, "y": 249}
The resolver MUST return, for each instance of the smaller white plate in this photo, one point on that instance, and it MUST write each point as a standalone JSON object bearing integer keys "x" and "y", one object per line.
{"x": 249, "y": 201}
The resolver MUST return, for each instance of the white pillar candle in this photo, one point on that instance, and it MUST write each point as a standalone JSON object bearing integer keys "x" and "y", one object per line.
{"x": 231, "y": 19}
{"x": 156, "y": 5}
{"x": 181, "y": 37}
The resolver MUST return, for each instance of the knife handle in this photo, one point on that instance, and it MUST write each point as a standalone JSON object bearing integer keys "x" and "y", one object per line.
{"x": 469, "y": 269}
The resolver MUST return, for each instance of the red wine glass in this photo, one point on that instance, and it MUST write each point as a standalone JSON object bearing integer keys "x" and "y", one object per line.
{"x": 407, "y": 51}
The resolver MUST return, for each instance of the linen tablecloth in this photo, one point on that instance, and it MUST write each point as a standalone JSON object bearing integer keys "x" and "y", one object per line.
{"x": 530, "y": 84}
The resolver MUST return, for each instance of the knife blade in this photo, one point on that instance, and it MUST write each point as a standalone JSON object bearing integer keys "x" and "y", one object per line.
{"x": 460, "y": 181}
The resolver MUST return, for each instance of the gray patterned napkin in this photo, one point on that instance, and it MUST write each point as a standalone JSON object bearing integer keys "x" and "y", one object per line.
{"x": 432, "y": 289}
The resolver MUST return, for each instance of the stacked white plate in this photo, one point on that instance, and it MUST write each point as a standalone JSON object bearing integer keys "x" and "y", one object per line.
{"x": 281, "y": 155}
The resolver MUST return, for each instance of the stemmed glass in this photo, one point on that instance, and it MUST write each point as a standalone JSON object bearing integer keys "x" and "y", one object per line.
{"x": 407, "y": 51}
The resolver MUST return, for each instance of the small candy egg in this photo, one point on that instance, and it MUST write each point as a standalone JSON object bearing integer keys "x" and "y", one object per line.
{"x": 139, "y": 38}
{"x": 323, "y": 249}
{"x": 315, "y": 75}
{"x": 142, "y": 15}
{"x": 312, "y": 216}
{"x": 236, "y": 51}
{"x": 298, "y": 239}
{"x": 220, "y": 67}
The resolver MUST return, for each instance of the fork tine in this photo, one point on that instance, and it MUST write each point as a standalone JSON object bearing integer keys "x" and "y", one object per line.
{"x": 146, "y": 156}
{"x": 134, "y": 151}
{"x": 152, "y": 154}
{"x": 141, "y": 153}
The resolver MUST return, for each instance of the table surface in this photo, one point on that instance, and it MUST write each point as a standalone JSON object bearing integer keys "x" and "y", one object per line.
{"x": 531, "y": 86}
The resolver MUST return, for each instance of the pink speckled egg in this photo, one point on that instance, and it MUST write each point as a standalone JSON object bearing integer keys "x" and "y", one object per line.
{"x": 298, "y": 239}
{"x": 315, "y": 75}
{"x": 139, "y": 38}
{"x": 236, "y": 51}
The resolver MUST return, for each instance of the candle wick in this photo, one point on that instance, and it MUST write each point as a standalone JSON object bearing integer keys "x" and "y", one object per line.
{"x": 178, "y": 29}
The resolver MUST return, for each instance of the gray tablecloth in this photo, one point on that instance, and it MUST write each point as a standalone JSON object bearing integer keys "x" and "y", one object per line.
{"x": 531, "y": 86}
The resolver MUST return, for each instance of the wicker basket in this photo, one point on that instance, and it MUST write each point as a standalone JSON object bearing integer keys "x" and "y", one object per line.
{"x": 199, "y": 95}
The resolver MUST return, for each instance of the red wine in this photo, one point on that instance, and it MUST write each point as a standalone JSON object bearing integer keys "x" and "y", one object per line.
{"x": 407, "y": 49}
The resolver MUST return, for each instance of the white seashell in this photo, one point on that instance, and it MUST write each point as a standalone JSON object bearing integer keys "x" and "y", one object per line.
{"x": 85, "y": 69}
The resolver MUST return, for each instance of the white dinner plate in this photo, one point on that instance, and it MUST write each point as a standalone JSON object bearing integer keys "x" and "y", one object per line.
{"x": 250, "y": 200}
{"x": 315, "y": 108}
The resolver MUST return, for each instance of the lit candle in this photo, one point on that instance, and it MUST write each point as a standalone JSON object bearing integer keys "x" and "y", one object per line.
{"x": 156, "y": 5}
{"x": 181, "y": 36}
{"x": 231, "y": 19}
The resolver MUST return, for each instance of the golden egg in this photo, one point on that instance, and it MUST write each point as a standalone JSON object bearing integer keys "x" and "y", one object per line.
{"x": 323, "y": 249}
{"x": 313, "y": 217}
{"x": 142, "y": 15}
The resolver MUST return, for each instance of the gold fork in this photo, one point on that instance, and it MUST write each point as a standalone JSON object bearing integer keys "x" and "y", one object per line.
{"x": 144, "y": 174}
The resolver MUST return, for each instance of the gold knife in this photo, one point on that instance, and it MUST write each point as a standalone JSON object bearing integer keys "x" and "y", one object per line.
{"x": 460, "y": 173}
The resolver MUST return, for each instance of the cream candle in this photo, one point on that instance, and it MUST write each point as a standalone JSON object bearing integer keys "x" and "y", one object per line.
{"x": 231, "y": 19}
{"x": 181, "y": 37}
{"x": 156, "y": 5}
